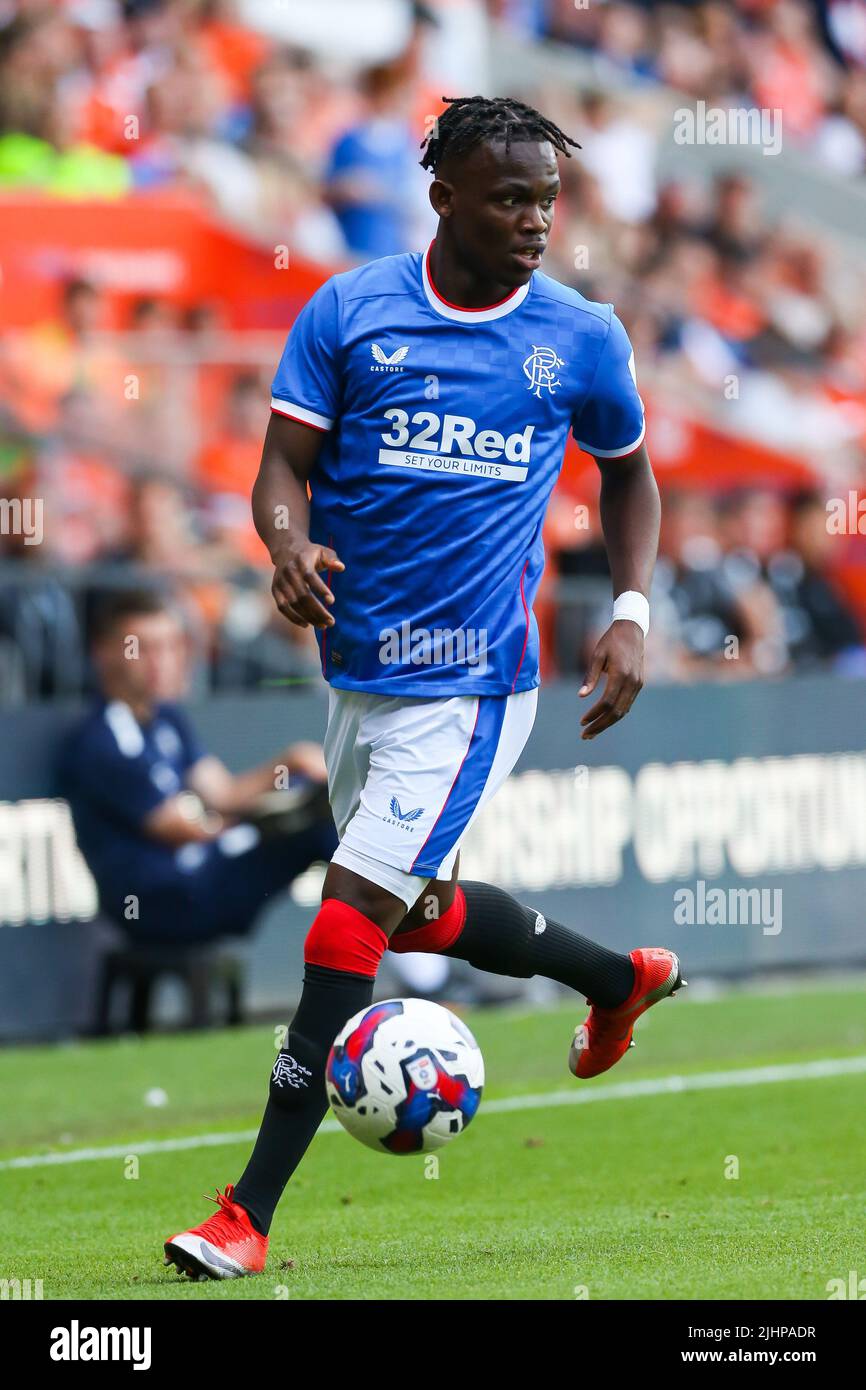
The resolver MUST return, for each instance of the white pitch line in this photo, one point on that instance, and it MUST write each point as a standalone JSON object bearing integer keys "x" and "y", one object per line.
{"x": 625, "y": 1090}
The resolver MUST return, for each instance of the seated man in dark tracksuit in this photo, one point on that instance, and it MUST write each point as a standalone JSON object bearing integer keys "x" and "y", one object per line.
{"x": 182, "y": 850}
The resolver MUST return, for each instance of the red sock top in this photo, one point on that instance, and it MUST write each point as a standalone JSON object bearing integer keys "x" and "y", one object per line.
{"x": 342, "y": 938}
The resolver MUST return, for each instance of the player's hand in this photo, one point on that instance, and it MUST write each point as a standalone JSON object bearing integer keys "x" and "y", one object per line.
{"x": 619, "y": 657}
{"x": 299, "y": 593}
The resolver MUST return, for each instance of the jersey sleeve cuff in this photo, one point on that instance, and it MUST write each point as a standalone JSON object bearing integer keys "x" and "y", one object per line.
{"x": 614, "y": 453}
{"x": 300, "y": 412}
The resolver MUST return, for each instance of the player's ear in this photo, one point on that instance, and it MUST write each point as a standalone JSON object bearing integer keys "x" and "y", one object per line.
{"x": 441, "y": 197}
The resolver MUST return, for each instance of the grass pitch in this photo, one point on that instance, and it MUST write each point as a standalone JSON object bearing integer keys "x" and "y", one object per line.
{"x": 629, "y": 1196}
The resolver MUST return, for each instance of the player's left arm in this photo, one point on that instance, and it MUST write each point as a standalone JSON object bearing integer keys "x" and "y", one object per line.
{"x": 630, "y": 514}
{"x": 610, "y": 425}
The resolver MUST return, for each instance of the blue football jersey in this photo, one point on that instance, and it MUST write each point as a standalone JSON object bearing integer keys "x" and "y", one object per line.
{"x": 445, "y": 433}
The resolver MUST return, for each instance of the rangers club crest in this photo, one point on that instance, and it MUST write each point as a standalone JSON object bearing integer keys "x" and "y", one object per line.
{"x": 540, "y": 368}
{"x": 288, "y": 1071}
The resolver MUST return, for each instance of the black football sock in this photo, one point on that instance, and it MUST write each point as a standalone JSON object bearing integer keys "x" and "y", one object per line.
{"x": 506, "y": 938}
{"x": 298, "y": 1100}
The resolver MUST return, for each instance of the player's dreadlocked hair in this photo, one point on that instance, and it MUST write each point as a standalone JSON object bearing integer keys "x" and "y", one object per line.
{"x": 470, "y": 120}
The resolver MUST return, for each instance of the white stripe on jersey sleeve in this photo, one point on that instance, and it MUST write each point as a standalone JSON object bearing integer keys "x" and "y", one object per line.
{"x": 614, "y": 453}
{"x": 300, "y": 412}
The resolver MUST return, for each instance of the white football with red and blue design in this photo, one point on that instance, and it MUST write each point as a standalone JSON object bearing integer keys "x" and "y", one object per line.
{"x": 405, "y": 1076}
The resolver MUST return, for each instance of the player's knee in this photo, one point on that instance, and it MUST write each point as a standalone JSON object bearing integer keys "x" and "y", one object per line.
{"x": 436, "y": 934}
{"x": 298, "y": 1070}
{"x": 342, "y": 938}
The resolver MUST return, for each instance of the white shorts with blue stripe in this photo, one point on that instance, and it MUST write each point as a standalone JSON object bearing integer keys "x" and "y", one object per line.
{"x": 408, "y": 776}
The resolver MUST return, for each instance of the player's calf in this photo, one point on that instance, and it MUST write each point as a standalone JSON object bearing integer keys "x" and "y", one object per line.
{"x": 493, "y": 931}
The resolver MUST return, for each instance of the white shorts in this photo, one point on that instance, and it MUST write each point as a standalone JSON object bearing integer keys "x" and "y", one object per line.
{"x": 408, "y": 776}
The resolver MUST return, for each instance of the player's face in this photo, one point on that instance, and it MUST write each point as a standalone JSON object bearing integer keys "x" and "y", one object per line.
{"x": 500, "y": 207}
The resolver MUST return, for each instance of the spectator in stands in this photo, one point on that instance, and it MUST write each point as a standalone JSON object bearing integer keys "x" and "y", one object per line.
{"x": 712, "y": 620}
{"x": 297, "y": 111}
{"x": 735, "y": 226}
{"x": 51, "y": 357}
{"x": 203, "y": 322}
{"x": 790, "y": 69}
{"x": 620, "y": 152}
{"x": 168, "y": 536}
{"x": 181, "y": 849}
{"x": 228, "y": 464}
{"x": 840, "y": 143}
{"x": 164, "y": 531}
{"x": 819, "y": 627}
{"x": 374, "y": 168}
{"x": 153, "y": 404}
{"x": 39, "y": 630}
{"x": 86, "y": 495}
{"x": 153, "y": 318}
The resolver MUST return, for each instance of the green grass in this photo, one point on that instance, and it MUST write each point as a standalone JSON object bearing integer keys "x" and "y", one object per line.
{"x": 627, "y": 1197}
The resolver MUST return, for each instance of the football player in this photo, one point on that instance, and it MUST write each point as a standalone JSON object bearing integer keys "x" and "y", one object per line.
{"x": 426, "y": 401}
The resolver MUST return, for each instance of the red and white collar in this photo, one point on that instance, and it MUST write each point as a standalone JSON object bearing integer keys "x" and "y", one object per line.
{"x": 447, "y": 310}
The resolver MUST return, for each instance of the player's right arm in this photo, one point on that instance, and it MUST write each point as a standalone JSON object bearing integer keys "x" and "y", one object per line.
{"x": 306, "y": 396}
{"x": 281, "y": 515}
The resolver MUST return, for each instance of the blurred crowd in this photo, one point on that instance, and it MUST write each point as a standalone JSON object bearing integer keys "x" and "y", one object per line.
{"x": 806, "y": 58}
{"x": 111, "y": 97}
{"x": 756, "y": 325}
{"x": 762, "y": 328}
{"x": 742, "y": 588}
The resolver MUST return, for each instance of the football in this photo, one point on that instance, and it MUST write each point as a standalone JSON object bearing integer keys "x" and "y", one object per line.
{"x": 405, "y": 1076}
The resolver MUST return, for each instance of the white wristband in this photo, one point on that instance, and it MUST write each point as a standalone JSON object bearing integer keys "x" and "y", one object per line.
{"x": 633, "y": 606}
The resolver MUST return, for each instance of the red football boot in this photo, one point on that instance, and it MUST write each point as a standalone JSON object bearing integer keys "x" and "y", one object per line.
{"x": 606, "y": 1034}
{"x": 226, "y": 1246}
